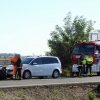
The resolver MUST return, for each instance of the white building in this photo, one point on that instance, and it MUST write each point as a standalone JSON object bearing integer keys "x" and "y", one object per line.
{"x": 94, "y": 36}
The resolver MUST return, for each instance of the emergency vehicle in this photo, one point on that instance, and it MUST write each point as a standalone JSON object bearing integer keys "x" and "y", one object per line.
{"x": 86, "y": 48}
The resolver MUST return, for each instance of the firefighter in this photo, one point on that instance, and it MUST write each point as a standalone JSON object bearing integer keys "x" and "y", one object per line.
{"x": 13, "y": 61}
{"x": 89, "y": 61}
{"x": 19, "y": 67}
{"x": 81, "y": 65}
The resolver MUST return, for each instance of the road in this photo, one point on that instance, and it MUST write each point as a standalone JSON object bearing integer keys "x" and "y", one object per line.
{"x": 47, "y": 81}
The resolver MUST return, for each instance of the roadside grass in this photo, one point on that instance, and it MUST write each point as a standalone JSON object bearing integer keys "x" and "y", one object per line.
{"x": 67, "y": 72}
{"x": 92, "y": 96}
{"x": 20, "y": 92}
{"x": 62, "y": 95}
{"x": 55, "y": 95}
{"x": 50, "y": 93}
{"x": 2, "y": 93}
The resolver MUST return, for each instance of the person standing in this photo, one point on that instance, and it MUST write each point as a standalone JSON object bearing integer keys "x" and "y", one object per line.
{"x": 19, "y": 67}
{"x": 89, "y": 61}
{"x": 13, "y": 61}
{"x": 81, "y": 65}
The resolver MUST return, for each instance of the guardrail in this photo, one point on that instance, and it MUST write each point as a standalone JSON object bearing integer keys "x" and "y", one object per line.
{"x": 4, "y": 62}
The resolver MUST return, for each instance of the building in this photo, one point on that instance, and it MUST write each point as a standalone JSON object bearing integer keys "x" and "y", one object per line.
{"x": 94, "y": 36}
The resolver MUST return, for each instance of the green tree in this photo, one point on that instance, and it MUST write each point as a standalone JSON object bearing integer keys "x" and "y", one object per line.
{"x": 64, "y": 37}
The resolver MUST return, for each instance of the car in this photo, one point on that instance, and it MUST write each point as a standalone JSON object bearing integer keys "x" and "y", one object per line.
{"x": 39, "y": 67}
{"x": 3, "y": 74}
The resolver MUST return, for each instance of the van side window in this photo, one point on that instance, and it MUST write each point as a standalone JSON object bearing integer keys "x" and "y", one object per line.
{"x": 37, "y": 60}
{"x": 55, "y": 60}
{"x": 47, "y": 60}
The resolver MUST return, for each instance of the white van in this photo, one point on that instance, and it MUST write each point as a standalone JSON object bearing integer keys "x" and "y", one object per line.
{"x": 39, "y": 67}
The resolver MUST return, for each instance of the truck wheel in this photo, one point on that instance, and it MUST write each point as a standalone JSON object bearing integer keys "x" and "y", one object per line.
{"x": 98, "y": 73}
{"x": 77, "y": 73}
{"x": 72, "y": 74}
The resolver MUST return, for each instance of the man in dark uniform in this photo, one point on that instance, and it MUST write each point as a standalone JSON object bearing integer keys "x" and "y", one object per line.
{"x": 19, "y": 67}
{"x": 81, "y": 65}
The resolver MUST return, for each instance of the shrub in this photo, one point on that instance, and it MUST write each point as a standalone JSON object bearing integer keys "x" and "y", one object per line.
{"x": 92, "y": 96}
{"x": 66, "y": 72}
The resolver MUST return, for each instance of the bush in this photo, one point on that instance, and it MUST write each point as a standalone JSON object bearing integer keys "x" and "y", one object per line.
{"x": 66, "y": 72}
{"x": 92, "y": 96}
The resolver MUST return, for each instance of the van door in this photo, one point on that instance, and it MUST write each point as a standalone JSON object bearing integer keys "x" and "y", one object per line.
{"x": 47, "y": 66}
{"x": 37, "y": 67}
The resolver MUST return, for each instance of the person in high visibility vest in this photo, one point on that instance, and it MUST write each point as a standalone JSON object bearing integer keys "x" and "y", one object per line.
{"x": 13, "y": 61}
{"x": 89, "y": 61}
{"x": 81, "y": 65}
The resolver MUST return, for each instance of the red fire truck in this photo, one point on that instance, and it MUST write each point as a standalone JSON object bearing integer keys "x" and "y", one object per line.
{"x": 86, "y": 48}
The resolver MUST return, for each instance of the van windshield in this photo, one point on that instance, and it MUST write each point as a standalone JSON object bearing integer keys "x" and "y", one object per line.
{"x": 27, "y": 60}
{"x": 83, "y": 49}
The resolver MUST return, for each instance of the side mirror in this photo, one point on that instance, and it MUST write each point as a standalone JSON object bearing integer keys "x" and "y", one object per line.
{"x": 96, "y": 52}
{"x": 34, "y": 63}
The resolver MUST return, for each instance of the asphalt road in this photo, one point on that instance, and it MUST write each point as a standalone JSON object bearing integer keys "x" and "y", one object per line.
{"x": 47, "y": 81}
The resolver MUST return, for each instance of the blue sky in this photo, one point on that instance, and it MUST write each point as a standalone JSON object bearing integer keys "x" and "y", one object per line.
{"x": 25, "y": 25}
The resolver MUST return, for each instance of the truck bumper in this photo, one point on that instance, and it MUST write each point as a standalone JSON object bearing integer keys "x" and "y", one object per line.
{"x": 95, "y": 68}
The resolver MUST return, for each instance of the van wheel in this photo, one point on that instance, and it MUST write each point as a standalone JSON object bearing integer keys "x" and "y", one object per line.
{"x": 55, "y": 74}
{"x": 26, "y": 74}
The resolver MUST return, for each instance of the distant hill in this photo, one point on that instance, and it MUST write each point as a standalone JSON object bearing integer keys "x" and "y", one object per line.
{"x": 6, "y": 54}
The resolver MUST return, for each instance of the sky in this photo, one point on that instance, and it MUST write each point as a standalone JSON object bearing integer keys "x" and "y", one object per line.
{"x": 25, "y": 25}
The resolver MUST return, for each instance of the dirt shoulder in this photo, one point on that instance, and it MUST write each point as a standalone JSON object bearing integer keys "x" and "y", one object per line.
{"x": 48, "y": 92}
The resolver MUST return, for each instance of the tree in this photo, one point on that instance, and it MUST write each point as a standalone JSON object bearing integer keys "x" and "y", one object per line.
{"x": 64, "y": 37}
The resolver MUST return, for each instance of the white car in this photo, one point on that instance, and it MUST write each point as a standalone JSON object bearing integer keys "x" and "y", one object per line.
{"x": 39, "y": 67}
